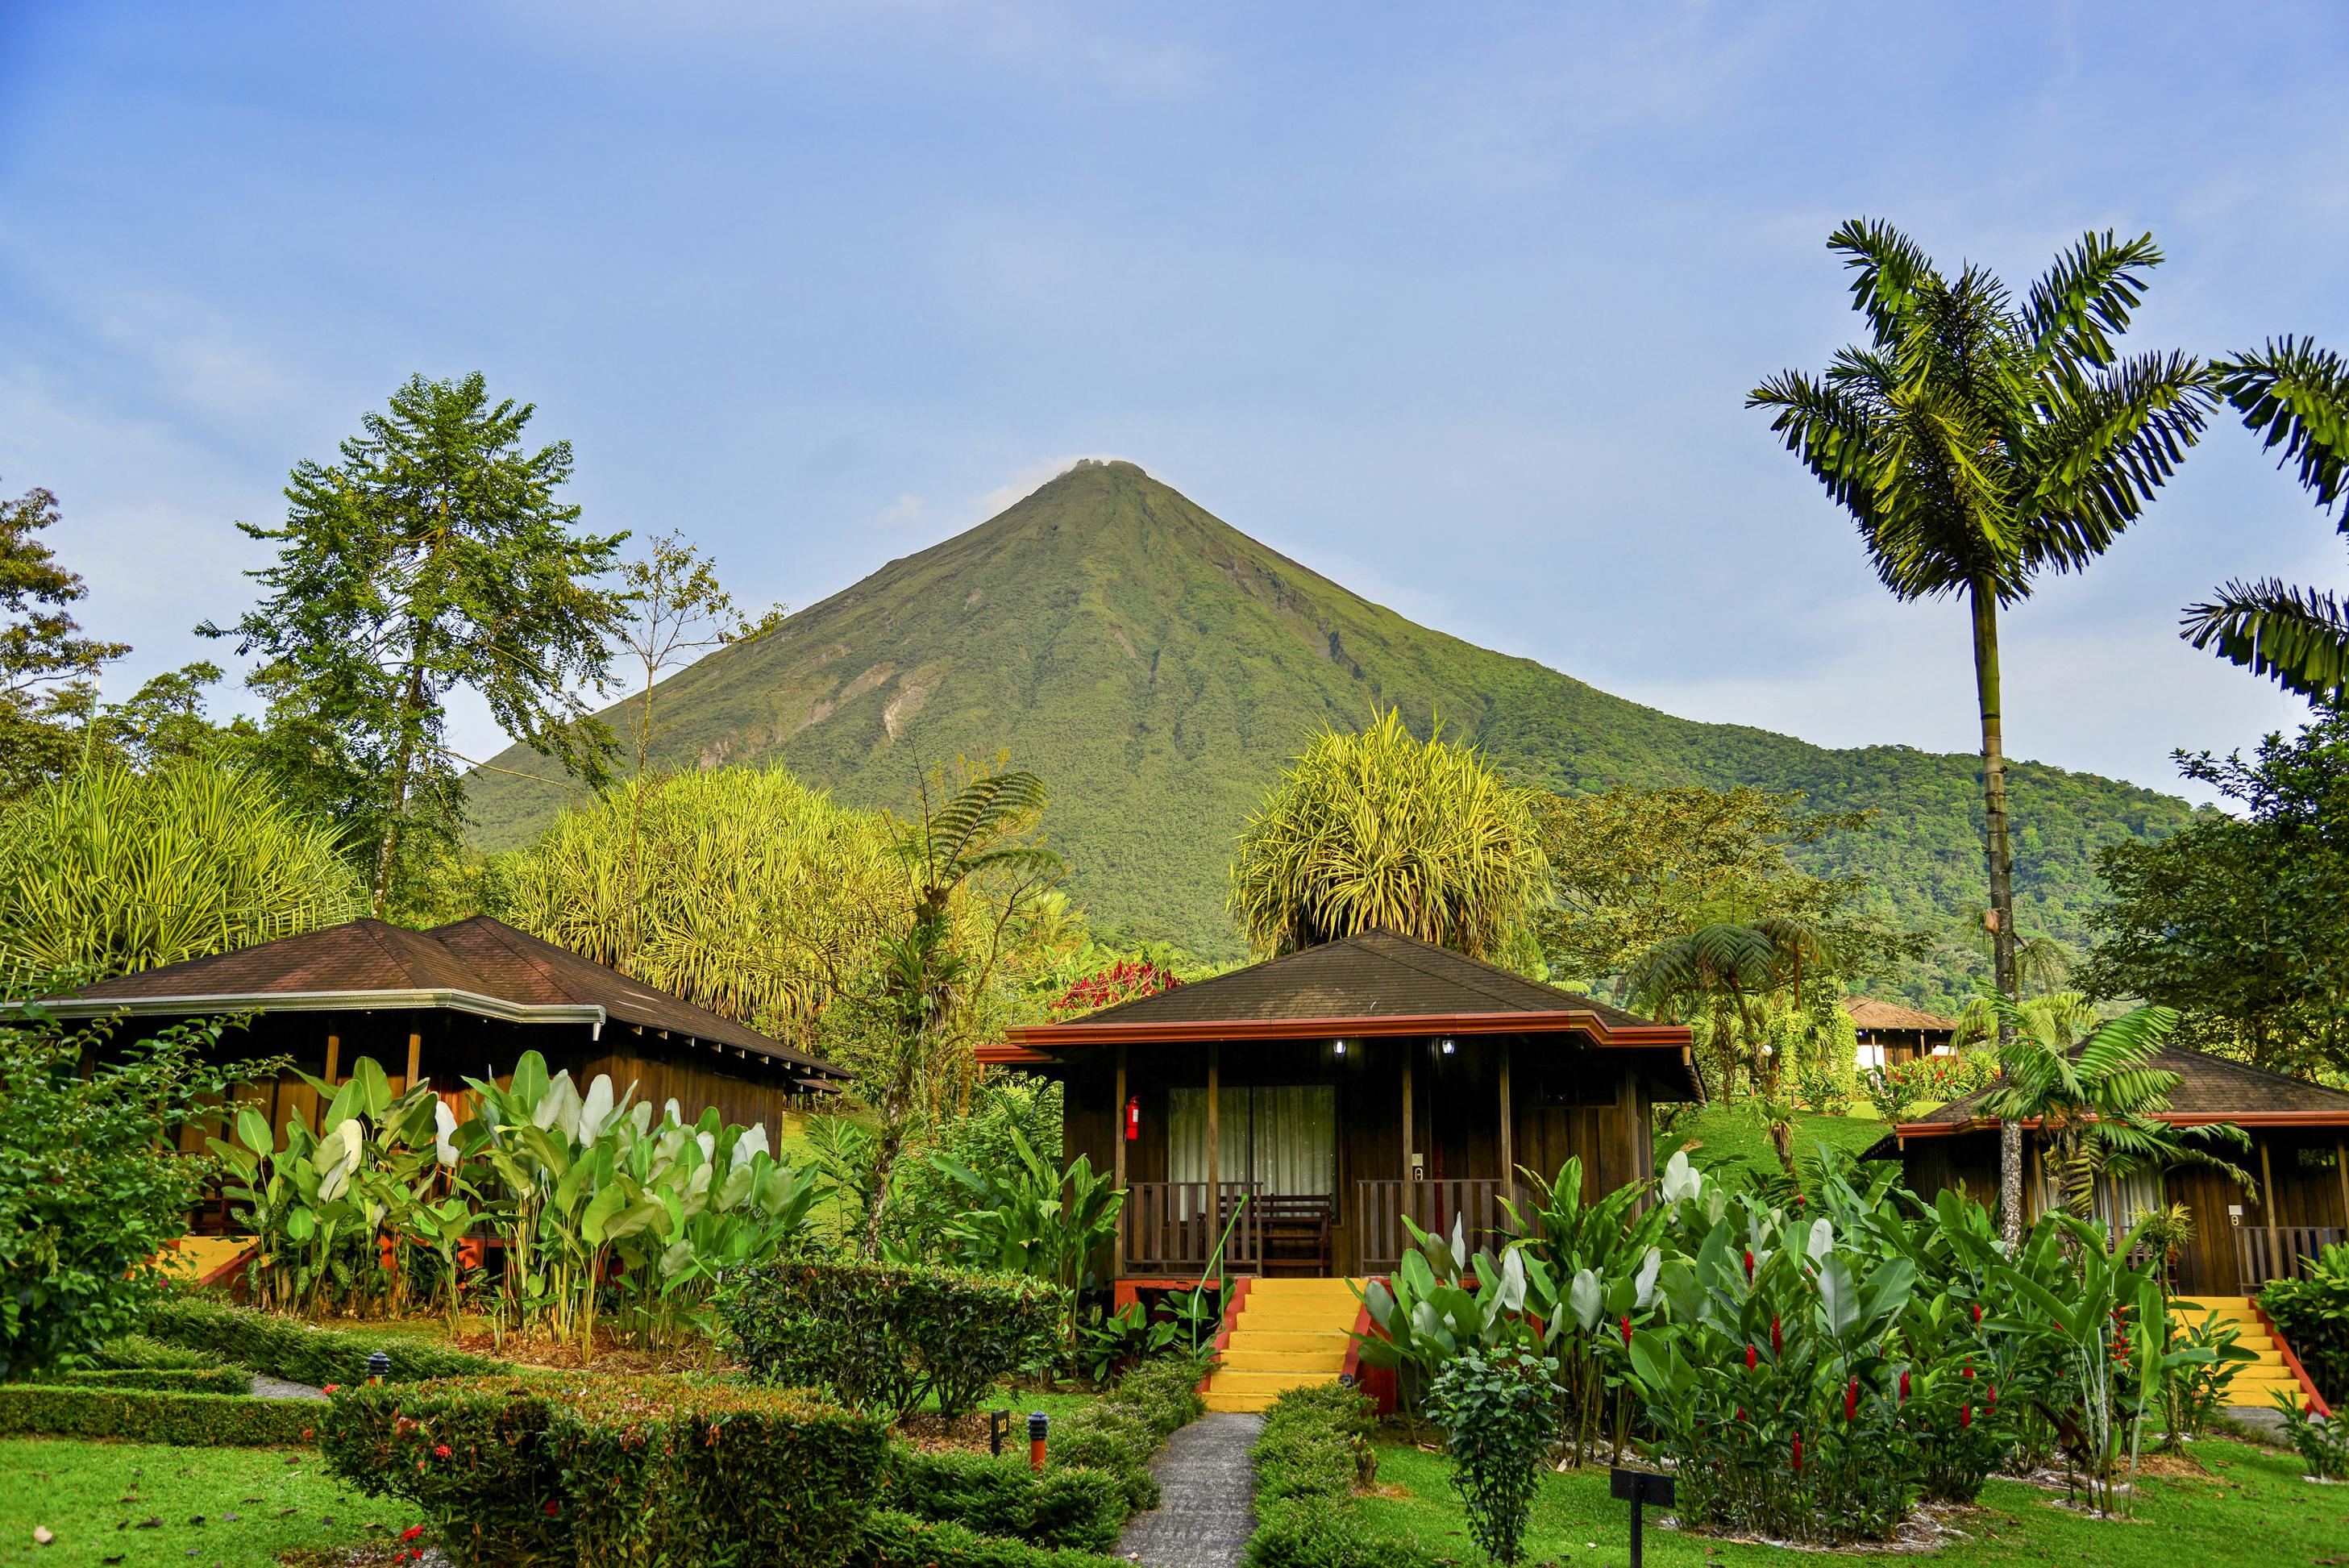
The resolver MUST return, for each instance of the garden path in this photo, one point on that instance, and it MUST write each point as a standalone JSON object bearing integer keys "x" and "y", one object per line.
{"x": 279, "y": 1388}
{"x": 1207, "y": 1485}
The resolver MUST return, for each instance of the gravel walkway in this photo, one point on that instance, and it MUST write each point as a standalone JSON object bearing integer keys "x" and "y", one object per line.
{"x": 279, "y": 1388}
{"x": 1208, "y": 1484}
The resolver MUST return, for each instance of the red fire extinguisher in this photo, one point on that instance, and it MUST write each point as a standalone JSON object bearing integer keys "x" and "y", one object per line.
{"x": 1133, "y": 1118}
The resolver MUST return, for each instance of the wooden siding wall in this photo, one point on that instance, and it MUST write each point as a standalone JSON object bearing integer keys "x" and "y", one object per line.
{"x": 1455, "y": 1109}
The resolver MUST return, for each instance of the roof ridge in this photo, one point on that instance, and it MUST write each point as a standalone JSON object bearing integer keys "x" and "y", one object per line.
{"x": 1411, "y": 960}
{"x": 497, "y": 931}
{"x": 374, "y": 930}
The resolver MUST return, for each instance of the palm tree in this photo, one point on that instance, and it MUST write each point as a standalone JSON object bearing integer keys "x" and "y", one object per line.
{"x": 1978, "y": 444}
{"x": 2096, "y": 1100}
{"x": 1379, "y": 829}
{"x": 2297, "y": 396}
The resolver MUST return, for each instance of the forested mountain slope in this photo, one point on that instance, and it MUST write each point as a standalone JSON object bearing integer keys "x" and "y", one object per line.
{"x": 1158, "y": 667}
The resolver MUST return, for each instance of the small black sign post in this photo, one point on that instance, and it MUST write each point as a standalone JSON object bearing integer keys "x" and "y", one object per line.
{"x": 1639, "y": 1487}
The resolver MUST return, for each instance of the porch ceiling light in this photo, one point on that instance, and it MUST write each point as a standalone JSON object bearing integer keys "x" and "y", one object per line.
{"x": 1448, "y": 1047}
{"x": 1339, "y": 1046}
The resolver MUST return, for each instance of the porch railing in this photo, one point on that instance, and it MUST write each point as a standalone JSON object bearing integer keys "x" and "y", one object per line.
{"x": 2267, "y": 1253}
{"x": 1382, "y": 1207}
{"x": 1171, "y": 1228}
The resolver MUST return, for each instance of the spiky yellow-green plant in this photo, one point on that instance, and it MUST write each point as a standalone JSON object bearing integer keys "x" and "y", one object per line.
{"x": 108, "y": 872}
{"x": 1379, "y": 829}
{"x": 753, "y": 895}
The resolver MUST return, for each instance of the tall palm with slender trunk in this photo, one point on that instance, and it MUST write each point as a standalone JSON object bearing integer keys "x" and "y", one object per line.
{"x": 1978, "y": 441}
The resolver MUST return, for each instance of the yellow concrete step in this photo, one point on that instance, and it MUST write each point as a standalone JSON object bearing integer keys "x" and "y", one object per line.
{"x": 1327, "y": 1362}
{"x": 1251, "y": 1338}
{"x": 1294, "y": 1322}
{"x": 1247, "y": 1403}
{"x": 1229, "y": 1382}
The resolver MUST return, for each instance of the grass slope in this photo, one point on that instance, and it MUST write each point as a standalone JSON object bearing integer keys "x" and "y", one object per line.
{"x": 254, "y": 1503}
{"x": 1729, "y": 1138}
{"x": 1159, "y": 667}
{"x": 2252, "y": 1509}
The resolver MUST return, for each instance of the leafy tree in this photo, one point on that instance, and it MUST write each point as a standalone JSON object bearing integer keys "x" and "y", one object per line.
{"x": 1379, "y": 829}
{"x": 2095, "y": 1099}
{"x": 436, "y": 554}
{"x": 91, "y": 1189}
{"x": 2241, "y": 922}
{"x": 48, "y": 667}
{"x": 106, "y": 872}
{"x": 1978, "y": 444}
{"x": 1633, "y": 869}
{"x": 1501, "y": 1419}
{"x": 910, "y": 1023}
{"x": 2296, "y": 395}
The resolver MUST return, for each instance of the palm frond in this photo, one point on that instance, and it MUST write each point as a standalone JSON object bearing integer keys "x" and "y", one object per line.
{"x": 1830, "y": 429}
{"x": 2086, "y": 295}
{"x": 1888, "y": 272}
{"x": 2298, "y": 637}
{"x": 2296, "y": 395}
{"x": 2107, "y": 441}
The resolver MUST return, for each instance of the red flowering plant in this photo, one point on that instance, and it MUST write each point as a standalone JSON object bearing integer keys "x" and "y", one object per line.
{"x": 1126, "y": 981}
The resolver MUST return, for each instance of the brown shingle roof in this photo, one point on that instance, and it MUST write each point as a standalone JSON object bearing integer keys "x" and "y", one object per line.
{"x": 1373, "y": 973}
{"x": 2209, "y": 1088}
{"x": 1868, "y": 1012}
{"x": 477, "y": 965}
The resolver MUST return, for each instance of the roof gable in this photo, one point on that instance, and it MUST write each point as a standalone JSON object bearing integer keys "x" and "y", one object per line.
{"x": 2209, "y": 1088}
{"x": 1868, "y": 1012}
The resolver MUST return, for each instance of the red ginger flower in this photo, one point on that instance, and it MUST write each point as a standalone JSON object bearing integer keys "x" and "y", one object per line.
{"x": 1965, "y": 1417}
{"x": 553, "y": 1508}
{"x": 1751, "y": 1358}
{"x": 1904, "y": 1386}
{"x": 1777, "y": 1340}
{"x": 1627, "y": 1328}
{"x": 1749, "y": 1265}
{"x": 1798, "y": 1453}
{"x": 1977, "y": 1314}
{"x": 1967, "y": 1372}
{"x": 1851, "y": 1401}
{"x": 1992, "y": 1405}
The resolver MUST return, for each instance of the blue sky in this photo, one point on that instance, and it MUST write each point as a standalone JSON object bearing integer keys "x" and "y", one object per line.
{"x": 1457, "y": 304}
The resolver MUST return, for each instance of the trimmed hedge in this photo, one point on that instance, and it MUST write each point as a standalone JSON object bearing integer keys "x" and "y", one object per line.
{"x": 1119, "y": 1433}
{"x": 1085, "y": 1508}
{"x": 138, "y": 1352}
{"x": 889, "y": 1339}
{"x": 892, "y": 1540}
{"x": 202, "y": 1420}
{"x": 548, "y": 1470}
{"x": 1308, "y": 1463}
{"x": 165, "y": 1379}
{"x": 300, "y": 1352}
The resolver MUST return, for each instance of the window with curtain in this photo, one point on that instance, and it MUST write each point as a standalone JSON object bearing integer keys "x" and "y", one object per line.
{"x": 2121, "y": 1201}
{"x": 1282, "y": 1136}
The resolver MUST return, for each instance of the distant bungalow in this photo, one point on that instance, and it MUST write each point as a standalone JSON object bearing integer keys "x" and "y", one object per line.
{"x": 1891, "y": 1036}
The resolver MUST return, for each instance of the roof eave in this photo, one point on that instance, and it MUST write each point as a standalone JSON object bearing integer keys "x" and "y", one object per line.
{"x": 472, "y": 1002}
{"x": 2339, "y": 1118}
{"x": 1048, "y": 1037}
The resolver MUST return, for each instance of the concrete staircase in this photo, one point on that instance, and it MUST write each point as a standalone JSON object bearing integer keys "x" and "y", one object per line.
{"x": 2259, "y": 1382}
{"x": 1288, "y": 1332}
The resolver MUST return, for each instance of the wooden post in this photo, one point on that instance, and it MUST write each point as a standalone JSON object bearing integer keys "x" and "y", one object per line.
{"x": 415, "y": 1056}
{"x": 334, "y": 1057}
{"x": 1117, "y": 1134}
{"x": 1215, "y": 1143}
{"x": 2267, "y": 1206}
{"x": 2341, "y": 1169}
{"x": 1508, "y": 1131}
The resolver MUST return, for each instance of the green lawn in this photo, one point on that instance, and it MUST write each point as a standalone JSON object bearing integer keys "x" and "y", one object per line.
{"x": 1731, "y": 1136}
{"x": 254, "y": 1503}
{"x": 2253, "y": 1509}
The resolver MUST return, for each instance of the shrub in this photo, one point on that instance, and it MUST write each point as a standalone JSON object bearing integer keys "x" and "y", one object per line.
{"x": 2323, "y": 1445}
{"x": 165, "y": 1379}
{"x": 300, "y": 1352}
{"x": 888, "y": 1539}
{"x": 889, "y": 1339}
{"x": 1308, "y": 1462}
{"x": 1500, "y": 1417}
{"x": 89, "y": 1195}
{"x": 1118, "y": 1434}
{"x": 195, "y": 1420}
{"x": 632, "y": 1470}
{"x": 2313, "y": 1314}
{"x": 1064, "y": 1506}
{"x": 140, "y": 1352}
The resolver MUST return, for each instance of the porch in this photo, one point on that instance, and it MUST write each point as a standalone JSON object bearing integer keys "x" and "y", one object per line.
{"x": 1170, "y": 1229}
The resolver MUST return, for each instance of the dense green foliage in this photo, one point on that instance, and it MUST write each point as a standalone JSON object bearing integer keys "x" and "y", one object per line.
{"x": 88, "y": 1196}
{"x": 889, "y": 1339}
{"x": 107, "y": 872}
{"x": 515, "y": 1472}
{"x": 436, "y": 556}
{"x": 888, "y": 1539}
{"x": 2241, "y": 922}
{"x": 1160, "y": 668}
{"x": 1377, "y": 829}
{"x": 2313, "y": 1315}
{"x": 1118, "y": 1434}
{"x": 144, "y": 1416}
{"x": 1500, "y": 1417}
{"x": 1312, "y": 1456}
{"x": 1000, "y": 1495}
{"x": 163, "y": 1379}
{"x": 301, "y": 1352}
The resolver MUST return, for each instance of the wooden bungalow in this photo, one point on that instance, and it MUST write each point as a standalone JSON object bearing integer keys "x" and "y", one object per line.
{"x": 1340, "y": 1090}
{"x": 462, "y": 1000}
{"x": 2299, "y": 1158}
{"x": 1891, "y": 1036}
